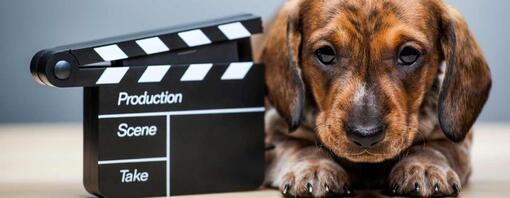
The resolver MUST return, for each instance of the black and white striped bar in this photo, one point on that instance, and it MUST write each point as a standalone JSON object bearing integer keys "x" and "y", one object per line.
{"x": 75, "y": 65}
{"x": 170, "y": 40}
{"x": 90, "y": 77}
{"x": 155, "y": 74}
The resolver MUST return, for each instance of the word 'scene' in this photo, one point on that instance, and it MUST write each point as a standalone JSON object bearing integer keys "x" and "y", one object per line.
{"x": 136, "y": 131}
{"x": 135, "y": 176}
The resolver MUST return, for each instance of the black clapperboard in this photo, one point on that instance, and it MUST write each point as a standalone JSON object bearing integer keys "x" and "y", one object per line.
{"x": 169, "y": 112}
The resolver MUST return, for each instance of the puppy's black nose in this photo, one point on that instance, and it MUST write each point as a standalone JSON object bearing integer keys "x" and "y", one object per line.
{"x": 365, "y": 136}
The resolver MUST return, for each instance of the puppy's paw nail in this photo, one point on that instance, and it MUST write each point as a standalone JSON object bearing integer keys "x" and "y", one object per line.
{"x": 347, "y": 190}
{"x": 309, "y": 188}
{"x": 286, "y": 189}
{"x": 436, "y": 188}
{"x": 456, "y": 189}
{"x": 326, "y": 188}
{"x": 395, "y": 189}
{"x": 416, "y": 187}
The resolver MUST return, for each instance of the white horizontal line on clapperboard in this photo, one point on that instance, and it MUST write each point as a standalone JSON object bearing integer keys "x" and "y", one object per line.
{"x": 125, "y": 161}
{"x": 187, "y": 112}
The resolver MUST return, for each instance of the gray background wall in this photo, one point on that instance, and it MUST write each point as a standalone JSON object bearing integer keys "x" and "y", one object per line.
{"x": 27, "y": 26}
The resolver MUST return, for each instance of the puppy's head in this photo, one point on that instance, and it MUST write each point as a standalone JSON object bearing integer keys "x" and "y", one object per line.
{"x": 368, "y": 65}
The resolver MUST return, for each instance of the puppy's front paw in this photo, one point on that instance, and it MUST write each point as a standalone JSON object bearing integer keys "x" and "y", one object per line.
{"x": 424, "y": 179}
{"x": 314, "y": 178}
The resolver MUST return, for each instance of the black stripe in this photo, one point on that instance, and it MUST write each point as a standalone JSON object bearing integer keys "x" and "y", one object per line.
{"x": 254, "y": 26}
{"x": 131, "y": 49}
{"x": 86, "y": 56}
{"x": 84, "y": 77}
{"x": 175, "y": 73}
{"x": 173, "y": 41}
{"x": 133, "y": 75}
{"x": 216, "y": 72}
{"x": 214, "y": 34}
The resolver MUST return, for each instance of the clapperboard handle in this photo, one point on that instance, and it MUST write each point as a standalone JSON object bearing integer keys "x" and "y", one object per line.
{"x": 74, "y": 65}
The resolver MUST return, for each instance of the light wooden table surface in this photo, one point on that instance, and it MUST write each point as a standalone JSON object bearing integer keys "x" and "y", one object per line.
{"x": 46, "y": 161}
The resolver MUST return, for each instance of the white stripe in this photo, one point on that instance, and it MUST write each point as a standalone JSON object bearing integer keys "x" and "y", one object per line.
{"x": 234, "y": 31}
{"x": 188, "y": 112}
{"x": 112, "y": 75}
{"x": 154, "y": 74}
{"x": 126, "y": 161}
{"x": 194, "y": 38}
{"x": 236, "y": 71}
{"x": 196, "y": 72}
{"x": 110, "y": 52}
{"x": 152, "y": 45}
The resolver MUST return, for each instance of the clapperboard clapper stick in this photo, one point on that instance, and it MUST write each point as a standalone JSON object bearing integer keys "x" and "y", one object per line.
{"x": 168, "y": 112}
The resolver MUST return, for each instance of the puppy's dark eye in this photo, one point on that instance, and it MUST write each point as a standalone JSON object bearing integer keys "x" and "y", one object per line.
{"x": 326, "y": 55}
{"x": 408, "y": 55}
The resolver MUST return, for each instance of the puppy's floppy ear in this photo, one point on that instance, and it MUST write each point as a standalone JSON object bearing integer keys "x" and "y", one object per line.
{"x": 285, "y": 87}
{"x": 467, "y": 81}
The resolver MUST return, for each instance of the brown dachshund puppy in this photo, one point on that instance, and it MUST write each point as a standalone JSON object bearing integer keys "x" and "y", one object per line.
{"x": 371, "y": 94}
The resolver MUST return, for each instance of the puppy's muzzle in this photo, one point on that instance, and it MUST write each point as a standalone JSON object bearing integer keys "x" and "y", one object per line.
{"x": 364, "y": 126}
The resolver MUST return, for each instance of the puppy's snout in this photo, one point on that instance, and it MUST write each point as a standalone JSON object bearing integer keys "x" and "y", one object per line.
{"x": 365, "y": 136}
{"x": 365, "y": 127}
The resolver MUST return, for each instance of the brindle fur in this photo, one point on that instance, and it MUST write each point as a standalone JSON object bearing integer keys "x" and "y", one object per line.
{"x": 429, "y": 110}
